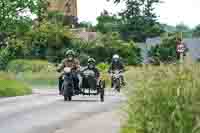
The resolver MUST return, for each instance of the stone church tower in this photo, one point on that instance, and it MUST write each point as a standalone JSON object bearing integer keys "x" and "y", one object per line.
{"x": 68, "y": 7}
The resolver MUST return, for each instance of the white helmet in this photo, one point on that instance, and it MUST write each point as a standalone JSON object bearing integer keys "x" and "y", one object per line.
{"x": 115, "y": 56}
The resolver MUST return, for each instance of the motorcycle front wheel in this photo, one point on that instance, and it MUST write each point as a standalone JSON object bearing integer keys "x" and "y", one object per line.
{"x": 67, "y": 93}
{"x": 117, "y": 85}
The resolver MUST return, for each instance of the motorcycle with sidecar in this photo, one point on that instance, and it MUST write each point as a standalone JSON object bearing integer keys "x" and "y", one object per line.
{"x": 89, "y": 85}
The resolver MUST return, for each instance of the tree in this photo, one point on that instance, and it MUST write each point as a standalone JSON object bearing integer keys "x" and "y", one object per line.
{"x": 46, "y": 41}
{"x": 109, "y": 44}
{"x": 165, "y": 52}
{"x": 196, "y": 31}
{"x": 182, "y": 28}
{"x": 87, "y": 25}
{"x": 168, "y": 28}
{"x": 107, "y": 23}
{"x": 139, "y": 20}
{"x": 13, "y": 11}
{"x": 41, "y": 9}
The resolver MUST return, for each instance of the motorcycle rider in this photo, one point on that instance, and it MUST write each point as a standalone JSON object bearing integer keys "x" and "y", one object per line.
{"x": 117, "y": 65}
{"x": 92, "y": 66}
{"x": 73, "y": 63}
{"x": 179, "y": 42}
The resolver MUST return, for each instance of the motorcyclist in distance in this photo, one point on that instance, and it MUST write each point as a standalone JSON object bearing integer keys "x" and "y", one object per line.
{"x": 117, "y": 64}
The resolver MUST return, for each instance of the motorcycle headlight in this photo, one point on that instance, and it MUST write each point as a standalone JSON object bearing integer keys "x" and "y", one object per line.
{"x": 91, "y": 66}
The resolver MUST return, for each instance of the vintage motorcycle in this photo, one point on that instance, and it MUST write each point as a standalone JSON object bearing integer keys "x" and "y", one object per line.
{"x": 68, "y": 84}
{"x": 116, "y": 79}
{"x": 89, "y": 85}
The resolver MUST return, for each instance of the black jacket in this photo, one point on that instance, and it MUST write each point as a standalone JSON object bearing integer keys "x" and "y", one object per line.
{"x": 96, "y": 71}
{"x": 117, "y": 66}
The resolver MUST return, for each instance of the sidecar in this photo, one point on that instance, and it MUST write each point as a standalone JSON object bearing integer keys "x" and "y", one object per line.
{"x": 90, "y": 85}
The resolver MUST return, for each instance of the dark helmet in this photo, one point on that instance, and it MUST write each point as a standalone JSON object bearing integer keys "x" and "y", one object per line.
{"x": 91, "y": 63}
{"x": 179, "y": 39}
{"x": 91, "y": 60}
{"x": 70, "y": 54}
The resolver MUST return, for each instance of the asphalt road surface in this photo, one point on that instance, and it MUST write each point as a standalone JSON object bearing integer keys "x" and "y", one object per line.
{"x": 46, "y": 112}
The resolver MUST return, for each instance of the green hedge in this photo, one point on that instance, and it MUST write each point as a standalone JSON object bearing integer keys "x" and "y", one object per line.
{"x": 21, "y": 65}
{"x": 129, "y": 52}
{"x": 103, "y": 67}
{"x": 49, "y": 41}
{"x": 165, "y": 52}
{"x": 5, "y": 57}
{"x": 34, "y": 72}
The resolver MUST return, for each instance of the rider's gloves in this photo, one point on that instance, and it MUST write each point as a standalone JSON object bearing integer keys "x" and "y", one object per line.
{"x": 58, "y": 70}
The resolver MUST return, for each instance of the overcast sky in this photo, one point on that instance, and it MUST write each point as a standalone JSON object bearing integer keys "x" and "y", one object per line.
{"x": 171, "y": 11}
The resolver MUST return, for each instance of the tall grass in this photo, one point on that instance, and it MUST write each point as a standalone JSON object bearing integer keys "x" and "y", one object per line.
{"x": 164, "y": 99}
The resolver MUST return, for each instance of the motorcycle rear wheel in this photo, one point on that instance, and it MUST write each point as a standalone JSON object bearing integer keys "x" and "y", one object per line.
{"x": 67, "y": 98}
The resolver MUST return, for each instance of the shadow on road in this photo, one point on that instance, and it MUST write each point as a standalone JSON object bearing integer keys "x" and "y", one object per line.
{"x": 85, "y": 101}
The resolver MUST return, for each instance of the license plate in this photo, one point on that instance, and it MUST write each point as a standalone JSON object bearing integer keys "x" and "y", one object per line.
{"x": 91, "y": 91}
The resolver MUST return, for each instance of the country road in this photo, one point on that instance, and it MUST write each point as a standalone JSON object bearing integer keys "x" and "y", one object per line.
{"x": 46, "y": 112}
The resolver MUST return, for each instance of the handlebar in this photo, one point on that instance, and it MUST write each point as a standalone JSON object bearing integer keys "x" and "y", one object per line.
{"x": 120, "y": 71}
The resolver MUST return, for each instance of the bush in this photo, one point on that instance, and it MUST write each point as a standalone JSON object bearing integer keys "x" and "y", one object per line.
{"x": 164, "y": 99}
{"x": 165, "y": 52}
{"x": 103, "y": 67}
{"x": 107, "y": 45}
{"x": 83, "y": 59}
{"x": 17, "y": 47}
{"x": 106, "y": 77}
{"x": 21, "y": 65}
{"x": 5, "y": 57}
{"x": 46, "y": 41}
{"x": 13, "y": 88}
{"x": 49, "y": 41}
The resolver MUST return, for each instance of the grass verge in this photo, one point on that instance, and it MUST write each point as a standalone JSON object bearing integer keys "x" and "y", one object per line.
{"x": 39, "y": 79}
{"x": 163, "y": 99}
{"x": 12, "y": 87}
{"x": 9, "y": 86}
